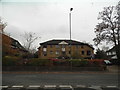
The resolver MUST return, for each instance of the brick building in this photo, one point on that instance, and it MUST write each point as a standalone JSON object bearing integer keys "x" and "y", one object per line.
{"x": 11, "y": 46}
{"x": 64, "y": 49}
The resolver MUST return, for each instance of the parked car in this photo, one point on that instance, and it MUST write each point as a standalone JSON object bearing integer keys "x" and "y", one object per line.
{"x": 107, "y": 62}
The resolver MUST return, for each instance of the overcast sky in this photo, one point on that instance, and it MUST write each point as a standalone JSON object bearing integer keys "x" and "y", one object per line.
{"x": 49, "y": 19}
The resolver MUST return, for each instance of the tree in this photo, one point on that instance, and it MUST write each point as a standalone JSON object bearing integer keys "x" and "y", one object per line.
{"x": 100, "y": 54}
{"x": 2, "y": 25}
{"x": 29, "y": 39}
{"x": 108, "y": 29}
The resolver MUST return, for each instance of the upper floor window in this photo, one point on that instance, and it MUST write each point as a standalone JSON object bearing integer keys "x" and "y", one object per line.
{"x": 83, "y": 52}
{"x": 82, "y": 46}
{"x": 44, "y": 49}
{"x": 44, "y": 53}
{"x": 63, "y": 49}
{"x": 69, "y": 45}
{"x": 16, "y": 43}
{"x": 45, "y": 46}
{"x": 57, "y": 46}
{"x": 63, "y": 46}
{"x": 77, "y": 46}
{"x": 113, "y": 53}
{"x": 51, "y": 46}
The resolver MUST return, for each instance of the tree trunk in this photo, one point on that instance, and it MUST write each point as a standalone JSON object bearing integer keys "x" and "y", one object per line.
{"x": 118, "y": 52}
{"x": 118, "y": 46}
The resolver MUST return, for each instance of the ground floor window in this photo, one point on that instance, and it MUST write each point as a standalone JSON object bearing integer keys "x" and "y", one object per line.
{"x": 88, "y": 53}
{"x": 44, "y": 53}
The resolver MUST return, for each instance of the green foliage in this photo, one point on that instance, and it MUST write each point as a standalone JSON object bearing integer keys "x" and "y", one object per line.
{"x": 38, "y": 62}
{"x": 100, "y": 54}
{"x": 10, "y": 60}
{"x": 15, "y": 61}
{"x": 78, "y": 63}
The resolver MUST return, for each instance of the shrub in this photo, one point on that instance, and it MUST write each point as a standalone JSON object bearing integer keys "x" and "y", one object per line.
{"x": 79, "y": 63}
{"x": 95, "y": 62}
{"x": 38, "y": 62}
{"x": 10, "y": 60}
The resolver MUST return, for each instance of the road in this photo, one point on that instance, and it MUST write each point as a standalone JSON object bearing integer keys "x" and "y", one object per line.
{"x": 74, "y": 78}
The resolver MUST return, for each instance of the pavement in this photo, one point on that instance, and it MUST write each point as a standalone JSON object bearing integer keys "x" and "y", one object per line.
{"x": 113, "y": 68}
{"x": 110, "y": 69}
{"x": 85, "y": 80}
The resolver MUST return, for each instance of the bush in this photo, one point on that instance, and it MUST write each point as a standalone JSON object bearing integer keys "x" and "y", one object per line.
{"x": 10, "y": 60}
{"x": 95, "y": 62}
{"x": 38, "y": 62}
{"x": 78, "y": 63}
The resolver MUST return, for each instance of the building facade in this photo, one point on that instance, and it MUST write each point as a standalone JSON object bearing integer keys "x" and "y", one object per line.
{"x": 11, "y": 46}
{"x": 64, "y": 49}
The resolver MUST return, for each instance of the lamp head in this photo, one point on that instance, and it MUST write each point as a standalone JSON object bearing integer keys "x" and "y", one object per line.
{"x": 71, "y": 9}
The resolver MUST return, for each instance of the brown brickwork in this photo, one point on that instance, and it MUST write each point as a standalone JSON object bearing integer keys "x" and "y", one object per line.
{"x": 53, "y": 49}
{"x": 11, "y": 46}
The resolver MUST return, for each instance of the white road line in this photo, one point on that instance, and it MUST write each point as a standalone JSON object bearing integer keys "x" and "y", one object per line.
{"x": 3, "y": 86}
{"x": 50, "y": 86}
{"x": 83, "y": 86}
{"x": 18, "y": 86}
{"x": 65, "y": 86}
{"x": 111, "y": 86}
{"x": 34, "y": 86}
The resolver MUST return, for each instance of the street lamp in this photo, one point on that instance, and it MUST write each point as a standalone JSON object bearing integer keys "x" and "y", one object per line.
{"x": 70, "y": 35}
{"x": 70, "y": 30}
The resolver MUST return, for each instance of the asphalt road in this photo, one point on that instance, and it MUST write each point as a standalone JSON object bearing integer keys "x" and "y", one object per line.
{"x": 100, "y": 79}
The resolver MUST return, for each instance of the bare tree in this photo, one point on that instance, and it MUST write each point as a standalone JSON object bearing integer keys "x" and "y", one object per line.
{"x": 108, "y": 29}
{"x": 2, "y": 25}
{"x": 29, "y": 39}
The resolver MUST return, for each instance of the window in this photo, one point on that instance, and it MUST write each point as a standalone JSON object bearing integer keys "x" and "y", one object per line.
{"x": 57, "y": 46}
{"x": 113, "y": 53}
{"x": 44, "y": 49}
{"x": 63, "y": 49}
{"x": 88, "y": 53}
{"x": 63, "y": 53}
{"x": 77, "y": 46}
{"x": 44, "y": 53}
{"x": 57, "y": 52}
{"x": 45, "y": 46}
{"x": 82, "y": 46}
{"x": 69, "y": 52}
{"x": 83, "y": 52}
{"x": 70, "y": 45}
{"x": 16, "y": 43}
{"x": 51, "y": 46}
{"x": 63, "y": 46}
{"x": 51, "y": 52}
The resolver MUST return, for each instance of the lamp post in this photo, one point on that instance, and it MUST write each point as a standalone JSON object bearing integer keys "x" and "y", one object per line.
{"x": 70, "y": 36}
{"x": 70, "y": 30}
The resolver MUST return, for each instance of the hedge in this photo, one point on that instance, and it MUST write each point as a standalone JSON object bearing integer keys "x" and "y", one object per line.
{"x": 10, "y": 60}
{"x": 38, "y": 62}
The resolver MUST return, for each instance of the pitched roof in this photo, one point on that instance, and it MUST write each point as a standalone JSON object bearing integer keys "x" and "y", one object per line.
{"x": 112, "y": 49}
{"x": 14, "y": 42}
{"x": 72, "y": 42}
